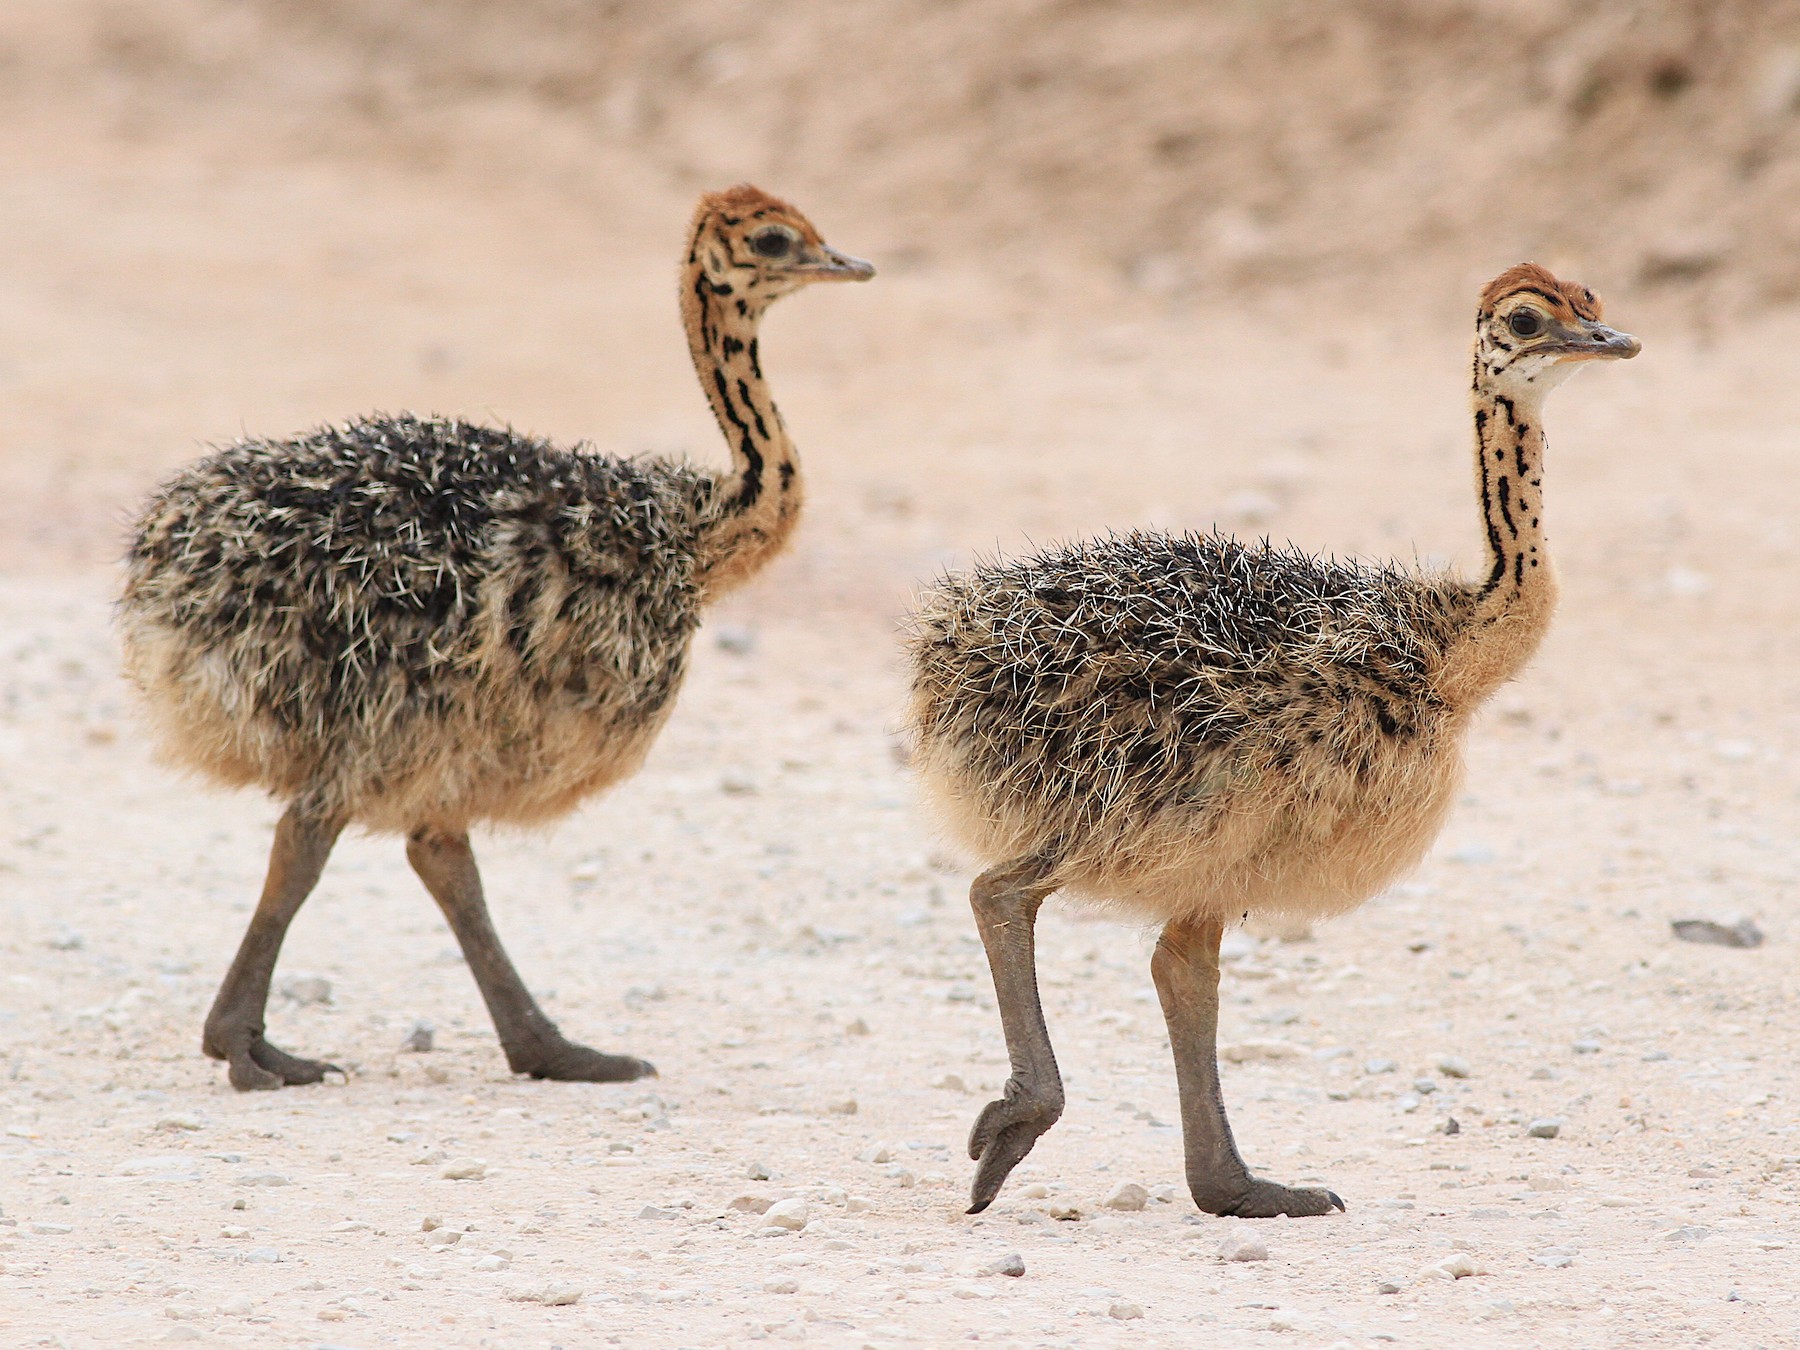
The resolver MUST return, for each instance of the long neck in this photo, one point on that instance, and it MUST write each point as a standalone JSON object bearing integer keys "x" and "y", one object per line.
{"x": 1510, "y": 607}
{"x": 754, "y": 508}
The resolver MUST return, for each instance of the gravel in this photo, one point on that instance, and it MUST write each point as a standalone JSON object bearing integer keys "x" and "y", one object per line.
{"x": 1544, "y": 1127}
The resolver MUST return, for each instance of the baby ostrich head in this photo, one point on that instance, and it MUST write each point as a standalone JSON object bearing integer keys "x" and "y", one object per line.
{"x": 1532, "y": 330}
{"x": 758, "y": 248}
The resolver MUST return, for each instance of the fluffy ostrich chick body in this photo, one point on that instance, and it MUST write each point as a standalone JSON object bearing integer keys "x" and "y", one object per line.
{"x": 418, "y": 625}
{"x": 1194, "y": 729}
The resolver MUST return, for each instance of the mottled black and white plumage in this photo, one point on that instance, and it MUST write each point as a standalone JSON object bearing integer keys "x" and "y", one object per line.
{"x": 416, "y": 621}
{"x": 1103, "y": 693}
{"x": 420, "y": 624}
{"x": 1196, "y": 729}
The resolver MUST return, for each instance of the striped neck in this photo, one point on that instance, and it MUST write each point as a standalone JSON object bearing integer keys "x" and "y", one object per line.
{"x": 1512, "y": 604}
{"x": 754, "y": 507}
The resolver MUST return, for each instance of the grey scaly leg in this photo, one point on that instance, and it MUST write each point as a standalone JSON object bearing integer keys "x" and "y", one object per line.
{"x": 533, "y": 1045}
{"x": 1006, "y": 901}
{"x": 1186, "y": 970}
{"x": 234, "y": 1027}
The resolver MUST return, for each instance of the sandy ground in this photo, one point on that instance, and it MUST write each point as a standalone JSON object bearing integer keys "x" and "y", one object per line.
{"x": 763, "y": 914}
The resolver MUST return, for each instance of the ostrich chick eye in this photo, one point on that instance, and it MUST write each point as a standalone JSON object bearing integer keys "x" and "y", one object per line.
{"x": 1526, "y": 323}
{"x": 771, "y": 243}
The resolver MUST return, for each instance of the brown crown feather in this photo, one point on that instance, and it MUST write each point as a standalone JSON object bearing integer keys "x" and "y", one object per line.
{"x": 746, "y": 201}
{"x": 1570, "y": 298}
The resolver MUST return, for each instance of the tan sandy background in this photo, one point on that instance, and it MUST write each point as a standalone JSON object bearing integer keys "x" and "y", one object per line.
{"x": 1142, "y": 263}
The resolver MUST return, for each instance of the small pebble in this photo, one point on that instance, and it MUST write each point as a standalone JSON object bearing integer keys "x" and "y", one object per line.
{"x": 1387, "y": 1287}
{"x": 1124, "y": 1310}
{"x": 1555, "y": 1258}
{"x": 1545, "y": 1127}
{"x": 262, "y": 1179}
{"x": 847, "y": 1107}
{"x": 443, "y": 1237}
{"x": 304, "y": 989}
{"x": 1011, "y": 1264}
{"x": 792, "y": 1215}
{"x": 1743, "y": 933}
{"x": 1453, "y": 1066}
{"x": 182, "y": 1120}
{"x": 781, "y": 1284}
{"x": 734, "y": 638}
{"x": 1375, "y": 1066}
{"x": 1259, "y": 1051}
{"x": 657, "y": 1212}
{"x": 757, "y": 1172}
{"x": 876, "y": 1153}
{"x": 67, "y": 940}
{"x": 750, "y": 1204}
{"x": 491, "y": 1262}
{"x": 261, "y": 1256}
{"x": 1129, "y": 1196}
{"x": 1456, "y": 1266}
{"x": 856, "y": 1027}
{"x": 1451, "y": 1125}
{"x": 232, "y": 1230}
{"x": 1540, "y": 1181}
{"x": 1065, "y": 1213}
{"x": 1586, "y": 1047}
{"x": 420, "y": 1039}
{"x": 1243, "y": 1244}
{"x": 239, "y": 1305}
{"x": 464, "y": 1169}
{"x": 952, "y": 1082}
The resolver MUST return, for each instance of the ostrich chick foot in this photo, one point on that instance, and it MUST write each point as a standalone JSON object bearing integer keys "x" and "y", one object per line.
{"x": 566, "y": 1062}
{"x": 1004, "y": 1133}
{"x": 256, "y": 1065}
{"x": 1254, "y": 1198}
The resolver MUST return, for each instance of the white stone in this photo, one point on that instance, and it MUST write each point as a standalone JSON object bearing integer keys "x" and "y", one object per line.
{"x": 464, "y": 1169}
{"x": 1455, "y": 1266}
{"x": 304, "y": 989}
{"x": 1128, "y": 1196}
{"x": 1259, "y": 1051}
{"x": 1243, "y": 1244}
{"x": 792, "y": 1215}
{"x": 1124, "y": 1309}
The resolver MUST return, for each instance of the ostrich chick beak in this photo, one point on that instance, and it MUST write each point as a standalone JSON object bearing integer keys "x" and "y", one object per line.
{"x": 834, "y": 266}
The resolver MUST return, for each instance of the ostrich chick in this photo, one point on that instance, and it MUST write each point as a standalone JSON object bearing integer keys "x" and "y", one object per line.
{"x": 416, "y": 625}
{"x": 1192, "y": 728}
